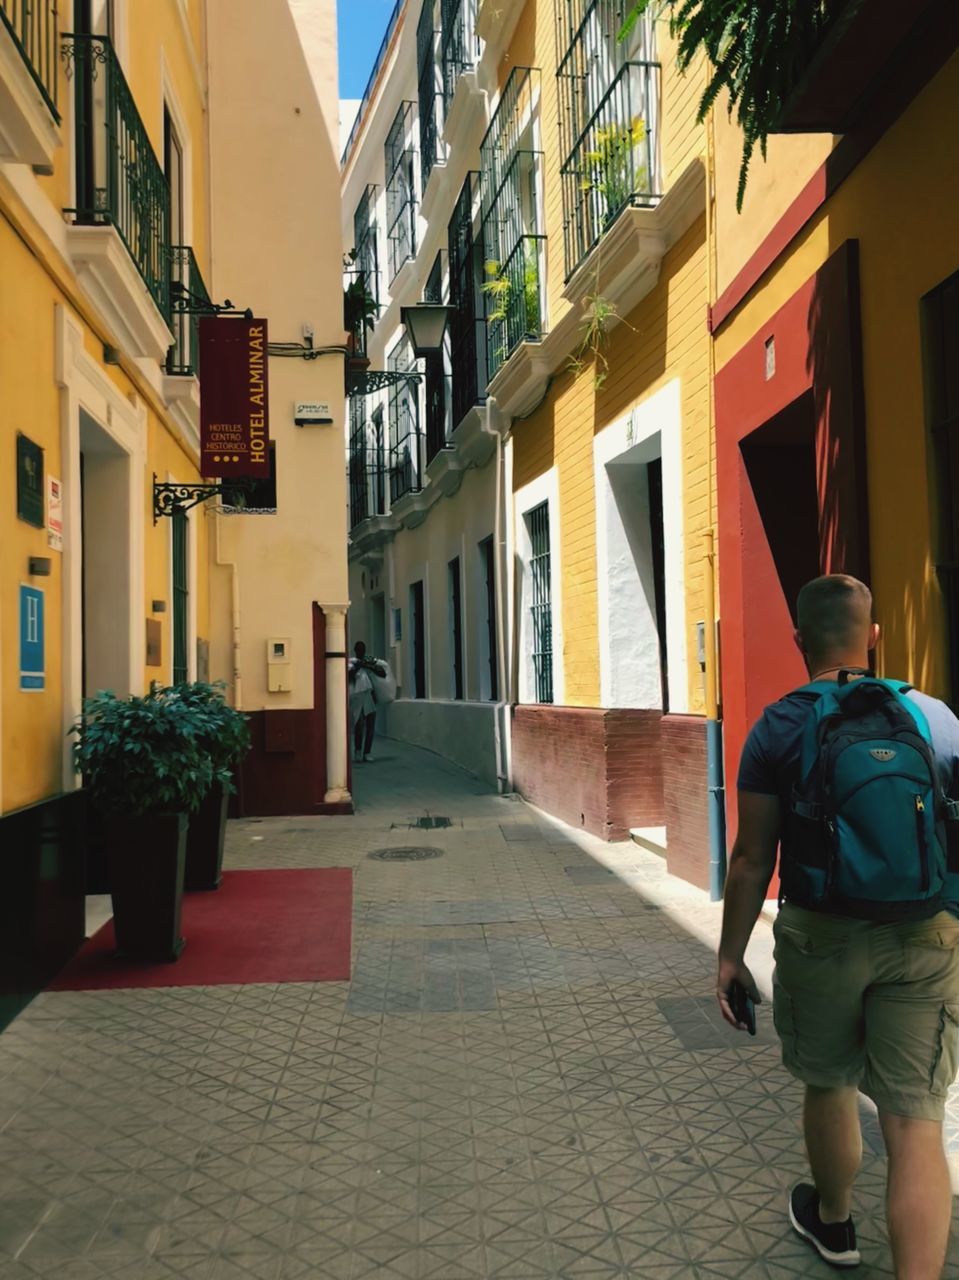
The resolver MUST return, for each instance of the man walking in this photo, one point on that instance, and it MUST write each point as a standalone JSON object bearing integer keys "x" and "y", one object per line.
{"x": 852, "y": 775}
{"x": 362, "y": 702}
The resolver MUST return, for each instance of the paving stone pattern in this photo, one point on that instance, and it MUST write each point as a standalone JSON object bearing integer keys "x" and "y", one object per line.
{"x": 525, "y": 1079}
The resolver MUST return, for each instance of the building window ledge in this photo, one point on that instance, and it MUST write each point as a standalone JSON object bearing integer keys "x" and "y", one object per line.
{"x": 475, "y": 445}
{"x": 404, "y": 283}
{"x": 436, "y": 187}
{"x": 181, "y": 392}
{"x": 520, "y": 381}
{"x": 371, "y": 535}
{"x": 445, "y": 472}
{"x": 111, "y": 281}
{"x": 496, "y": 21}
{"x": 412, "y": 509}
{"x": 29, "y": 133}
{"x": 624, "y": 265}
{"x": 467, "y": 110}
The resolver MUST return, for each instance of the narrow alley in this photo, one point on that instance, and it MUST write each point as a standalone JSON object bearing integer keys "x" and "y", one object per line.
{"x": 525, "y": 1078}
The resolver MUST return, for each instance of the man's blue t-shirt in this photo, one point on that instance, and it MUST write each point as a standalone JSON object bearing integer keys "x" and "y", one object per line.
{"x": 770, "y": 759}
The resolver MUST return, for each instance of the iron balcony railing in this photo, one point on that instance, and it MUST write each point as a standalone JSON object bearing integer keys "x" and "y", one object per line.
{"x": 407, "y": 445}
{"x": 399, "y": 163}
{"x": 612, "y": 162}
{"x": 459, "y": 41}
{"x": 367, "y": 464}
{"x": 436, "y": 376}
{"x": 34, "y": 27}
{"x": 119, "y": 180}
{"x": 507, "y": 132}
{"x": 467, "y": 323}
{"x": 188, "y": 296}
{"x": 514, "y": 301}
{"x": 429, "y": 80}
{"x": 367, "y": 258}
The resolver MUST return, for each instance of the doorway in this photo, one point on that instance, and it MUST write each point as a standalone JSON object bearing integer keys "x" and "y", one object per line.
{"x": 418, "y": 640}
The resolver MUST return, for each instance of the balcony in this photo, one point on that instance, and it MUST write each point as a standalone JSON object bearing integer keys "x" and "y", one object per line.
{"x": 461, "y": 51}
{"x": 399, "y": 164}
{"x": 29, "y": 67}
{"x": 867, "y": 56}
{"x": 188, "y": 295}
{"x": 611, "y": 165}
{"x": 514, "y": 301}
{"x": 119, "y": 235}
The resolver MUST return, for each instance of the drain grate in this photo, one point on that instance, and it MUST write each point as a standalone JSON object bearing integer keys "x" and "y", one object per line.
{"x": 430, "y": 823}
{"x": 405, "y": 853}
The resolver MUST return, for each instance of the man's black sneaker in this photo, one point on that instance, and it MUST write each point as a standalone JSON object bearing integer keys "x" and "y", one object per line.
{"x": 835, "y": 1242}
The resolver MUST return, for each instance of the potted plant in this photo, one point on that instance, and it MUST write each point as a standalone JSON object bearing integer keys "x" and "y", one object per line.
{"x": 360, "y": 310}
{"x": 145, "y": 767}
{"x": 615, "y": 171}
{"x": 224, "y": 735}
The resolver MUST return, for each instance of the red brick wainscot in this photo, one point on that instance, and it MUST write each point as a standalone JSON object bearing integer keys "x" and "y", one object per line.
{"x": 685, "y": 798}
{"x": 595, "y": 769}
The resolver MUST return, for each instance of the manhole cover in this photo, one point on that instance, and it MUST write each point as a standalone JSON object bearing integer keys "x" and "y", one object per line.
{"x": 409, "y": 853}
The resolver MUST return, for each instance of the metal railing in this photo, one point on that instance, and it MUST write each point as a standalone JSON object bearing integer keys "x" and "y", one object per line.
{"x": 514, "y": 301}
{"x": 612, "y": 161}
{"x": 436, "y": 378}
{"x": 407, "y": 446}
{"x": 432, "y": 146}
{"x": 367, "y": 464}
{"x": 506, "y": 132}
{"x": 460, "y": 43}
{"x": 467, "y": 323}
{"x": 188, "y": 294}
{"x": 34, "y": 27}
{"x": 365, "y": 241}
{"x": 541, "y": 601}
{"x": 371, "y": 82}
{"x": 120, "y": 181}
{"x": 401, "y": 200}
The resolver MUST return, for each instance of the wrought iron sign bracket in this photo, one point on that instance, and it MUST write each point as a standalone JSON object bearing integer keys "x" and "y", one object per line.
{"x": 371, "y": 380}
{"x": 176, "y": 499}
{"x": 185, "y": 302}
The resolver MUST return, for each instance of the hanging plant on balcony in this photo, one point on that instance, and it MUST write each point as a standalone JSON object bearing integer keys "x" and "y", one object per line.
{"x": 758, "y": 50}
{"x": 360, "y": 308}
{"x": 613, "y": 169}
{"x": 498, "y": 286}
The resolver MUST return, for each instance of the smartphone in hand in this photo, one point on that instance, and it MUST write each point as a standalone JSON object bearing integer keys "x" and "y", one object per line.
{"x": 742, "y": 1006}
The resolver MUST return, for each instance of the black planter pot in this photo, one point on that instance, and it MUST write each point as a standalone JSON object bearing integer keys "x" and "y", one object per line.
{"x": 147, "y": 857}
{"x": 204, "y": 842}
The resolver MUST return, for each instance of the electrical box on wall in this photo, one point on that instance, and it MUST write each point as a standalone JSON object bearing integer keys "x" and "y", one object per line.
{"x": 279, "y": 665}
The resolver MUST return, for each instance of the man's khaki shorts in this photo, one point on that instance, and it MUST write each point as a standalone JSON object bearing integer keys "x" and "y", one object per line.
{"x": 871, "y": 1005}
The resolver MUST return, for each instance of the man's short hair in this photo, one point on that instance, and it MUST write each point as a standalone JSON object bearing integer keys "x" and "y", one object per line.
{"x": 833, "y": 612}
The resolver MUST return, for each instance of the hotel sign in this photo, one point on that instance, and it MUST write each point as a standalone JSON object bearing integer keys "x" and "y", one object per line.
{"x": 234, "y": 398}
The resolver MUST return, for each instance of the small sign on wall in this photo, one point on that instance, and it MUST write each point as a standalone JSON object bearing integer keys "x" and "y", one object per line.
{"x": 312, "y": 413}
{"x": 33, "y": 676}
{"x": 29, "y": 481}
{"x": 54, "y": 513}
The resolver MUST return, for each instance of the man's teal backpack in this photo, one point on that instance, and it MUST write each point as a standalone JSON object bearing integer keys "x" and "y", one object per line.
{"x": 866, "y": 836}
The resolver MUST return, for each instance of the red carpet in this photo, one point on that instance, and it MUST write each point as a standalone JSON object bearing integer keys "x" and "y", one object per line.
{"x": 258, "y": 927}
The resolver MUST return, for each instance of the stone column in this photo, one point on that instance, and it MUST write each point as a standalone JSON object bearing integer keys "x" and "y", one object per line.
{"x": 337, "y": 729}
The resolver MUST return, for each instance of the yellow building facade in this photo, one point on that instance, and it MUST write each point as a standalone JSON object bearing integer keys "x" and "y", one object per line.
{"x": 118, "y": 229}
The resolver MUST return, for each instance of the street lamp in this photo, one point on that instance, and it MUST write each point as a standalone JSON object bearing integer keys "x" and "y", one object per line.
{"x": 426, "y": 325}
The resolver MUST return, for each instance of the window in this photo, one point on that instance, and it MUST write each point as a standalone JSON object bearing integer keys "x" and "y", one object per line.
{"x": 654, "y": 480}
{"x": 940, "y": 324}
{"x": 430, "y": 81}
{"x": 417, "y": 640}
{"x": 609, "y": 95}
{"x": 512, "y": 246}
{"x": 181, "y": 597}
{"x": 173, "y": 168}
{"x": 367, "y": 263}
{"x": 400, "y": 190}
{"x": 436, "y": 418}
{"x": 460, "y": 43}
{"x": 367, "y": 466}
{"x": 541, "y": 601}
{"x": 406, "y": 440}
{"x": 490, "y": 647}
{"x": 467, "y": 337}
{"x": 456, "y": 628}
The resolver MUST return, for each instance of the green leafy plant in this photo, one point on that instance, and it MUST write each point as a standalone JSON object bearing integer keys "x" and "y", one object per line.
{"x": 143, "y": 755}
{"x": 222, "y": 732}
{"x": 499, "y": 288}
{"x": 598, "y": 317}
{"x": 758, "y": 50}
{"x": 360, "y": 308}
{"x": 612, "y": 166}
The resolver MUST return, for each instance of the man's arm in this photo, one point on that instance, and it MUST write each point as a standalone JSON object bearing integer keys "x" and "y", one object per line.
{"x": 751, "y": 867}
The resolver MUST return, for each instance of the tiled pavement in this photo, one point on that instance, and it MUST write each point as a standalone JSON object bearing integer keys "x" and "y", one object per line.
{"x": 525, "y": 1079}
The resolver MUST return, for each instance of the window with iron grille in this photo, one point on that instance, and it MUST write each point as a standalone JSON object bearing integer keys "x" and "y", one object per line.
{"x": 401, "y": 189}
{"x": 435, "y": 379}
{"x": 181, "y": 597}
{"x": 429, "y": 74}
{"x": 460, "y": 43}
{"x": 367, "y": 465}
{"x": 488, "y": 553}
{"x": 541, "y": 601}
{"x": 407, "y": 446}
{"x": 940, "y": 325}
{"x": 367, "y": 261}
{"x": 467, "y": 324}
{"x": 456, "y": 628}
{"x": 608, "y": 119}
{"x": 512, "y": 245}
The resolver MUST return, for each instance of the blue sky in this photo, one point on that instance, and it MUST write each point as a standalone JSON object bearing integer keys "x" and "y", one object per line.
{"x": 362, "y": 24}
